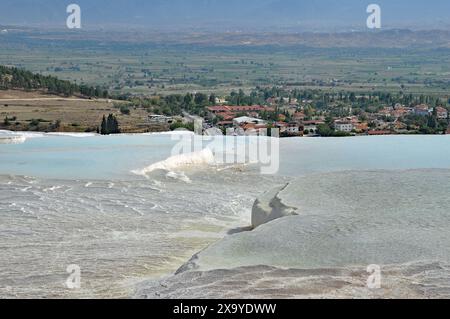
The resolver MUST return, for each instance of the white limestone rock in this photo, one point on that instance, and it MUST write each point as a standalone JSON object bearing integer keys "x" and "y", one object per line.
{"x": 270, "y": 207}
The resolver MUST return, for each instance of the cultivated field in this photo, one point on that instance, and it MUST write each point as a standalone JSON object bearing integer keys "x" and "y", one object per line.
{"x": 37, "y": 111}
{"x": 150, "y": 64}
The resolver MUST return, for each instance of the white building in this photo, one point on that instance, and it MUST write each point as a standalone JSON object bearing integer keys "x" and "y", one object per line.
{"x": 293, "y": 129}
{"x": 221, "y": 100}
{"x": 310, "y": 128}
{"x": 247, "y": 120}
{"x": 343, "y": 127}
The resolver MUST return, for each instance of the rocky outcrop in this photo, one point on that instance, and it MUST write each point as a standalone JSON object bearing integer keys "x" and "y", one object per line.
{"x": 270, "y": 207}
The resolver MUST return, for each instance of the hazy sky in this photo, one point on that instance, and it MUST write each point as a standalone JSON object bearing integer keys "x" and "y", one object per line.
{"x": 301, "y": 15}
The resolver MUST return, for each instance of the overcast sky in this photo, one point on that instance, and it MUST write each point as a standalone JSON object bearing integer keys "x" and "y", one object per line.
{"x": 299, "y": 15}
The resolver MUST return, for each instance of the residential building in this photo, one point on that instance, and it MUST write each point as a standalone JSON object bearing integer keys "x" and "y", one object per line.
{"x": 282, "y": 126}
{"x": 218, "y": 109}
{"x": 254, "y": 129}
{"x": 400, "y": 112}
{"x": 422, "y": 110}
{"x": 293, "y": 129}
{"x": 247, "y": 120}
{"x": 442, "y": 114}
{"x": 387, "y": 112}
{"x": 361, "y": 127}
{"x": 343, "y": 126}
{"x": 299, "y": 116}
{"x": 310, "y": 127}
{"x": 220, "y": 100}
{"x": 247, "y": 108}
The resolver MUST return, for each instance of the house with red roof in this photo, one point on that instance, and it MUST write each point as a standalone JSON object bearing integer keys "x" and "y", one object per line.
{"x": 422, "y": 110}
{"x": 442, "y": 113}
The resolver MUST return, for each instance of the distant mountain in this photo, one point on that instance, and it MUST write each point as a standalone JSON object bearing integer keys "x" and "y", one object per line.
{"x": 230, "y": 14}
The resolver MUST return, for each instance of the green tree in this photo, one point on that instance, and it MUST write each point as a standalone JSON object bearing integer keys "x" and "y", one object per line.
{"x": 109, "y": 125}
{"x": 125, "y": 110}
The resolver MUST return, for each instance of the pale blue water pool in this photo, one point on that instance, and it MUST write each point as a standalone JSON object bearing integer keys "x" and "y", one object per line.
{"x": 95, "y": 157}
{"x": 74, "y": 200}
{"x": 114, "y": 157}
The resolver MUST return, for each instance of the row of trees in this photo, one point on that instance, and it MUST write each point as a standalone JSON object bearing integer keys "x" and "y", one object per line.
{"x": 14, "y": 78}
{"x": 336, "y": 104}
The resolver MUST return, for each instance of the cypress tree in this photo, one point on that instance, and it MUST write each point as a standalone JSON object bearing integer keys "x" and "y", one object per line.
{"x": 109, "y": 125}
{"x": 103, "y": 129}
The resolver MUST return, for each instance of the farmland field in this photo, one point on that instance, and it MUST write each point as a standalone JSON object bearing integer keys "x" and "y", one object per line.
{"x": 178, "y": 66}
{"x": 36, "y": 111}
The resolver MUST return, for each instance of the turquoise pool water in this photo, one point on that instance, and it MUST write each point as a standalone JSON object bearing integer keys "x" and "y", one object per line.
{"x": 114, "y": 157}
